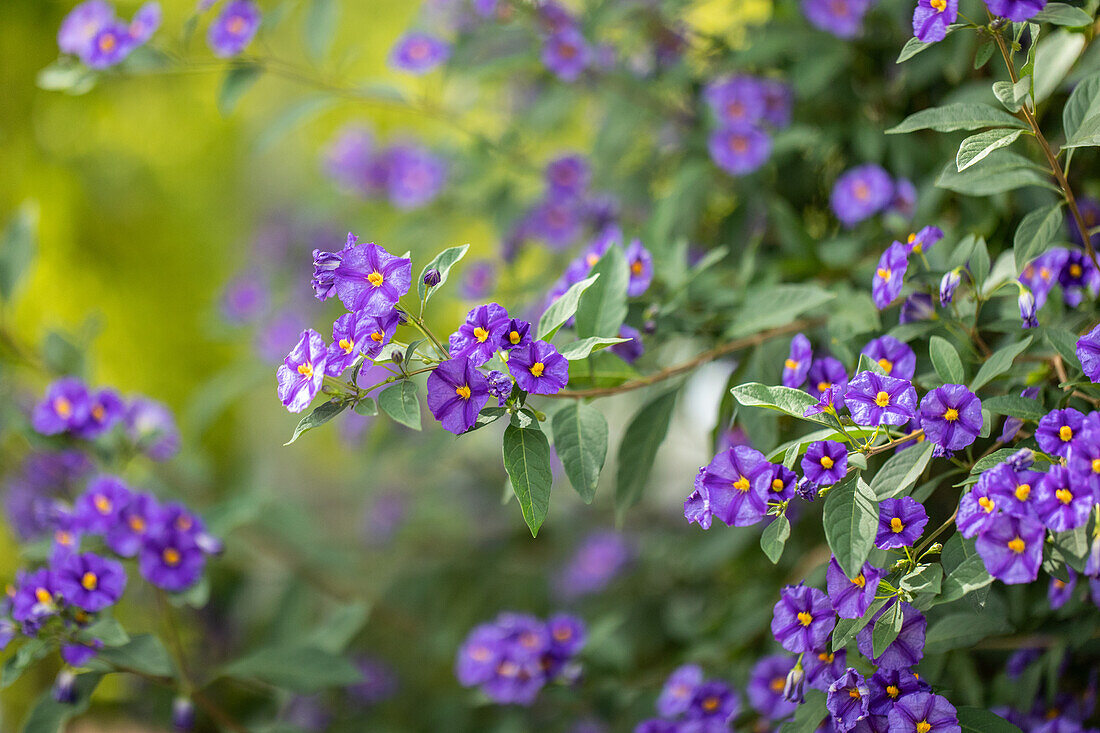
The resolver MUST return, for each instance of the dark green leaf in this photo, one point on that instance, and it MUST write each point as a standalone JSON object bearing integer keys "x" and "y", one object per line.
{"x": 527, "y": 461}
{"x": 1065, "y": 343}
{"x": 237, "y": 81}
{"x": 321, "y": 415}
{"x": 1003, "y": 171}
{"x": 1037, "y": 231}
{"x": 1014, "y": 405}
{"x": 144, "y": 653}
{"x": 980, "y": 720}
{"x": 959, "y": 116}
{"x": 638, "y": 449}
{"x": 914, "y": 45}
{"x": 297, "y": 667}
{"x": 1086, "y": 136}
{"x": 562, "y": 309}
{"x": 998, "y": 363}
{"x": 400, "y": 402}
{"x": 984, "y": 53}
{"x": 946, "y": 360}
{"x": 1083, "y": 103}
{"x": 851, "y": 521}
{"x": 784, "y": 399}
{"x": 847, "y": 628}
{"x": 776, "y": 305}
{"x": 581, "y": 349}
{"x": 886, "y": 629}
{"x": 337, "y": 631}
{"x": 602, "y": 308}
{"x": 809, "y": 715}
{"x": 443, "y": 262}
{"x": 961, "y": 630}
{"x": 580, "y": 439}
{"x": 977, "y": 148}
{"x": 30, "y": 652}
{"x": 901, "y": 470}
{"x": 923, "y": 579}
{"x": 964, "y": 568}
{"x": 1062, "y": 14}
{"x": 366, "y": 407}
{"x": 1055, "y": 55}
{"x": 50, "y": 716}
{"x": 775, "y": 537}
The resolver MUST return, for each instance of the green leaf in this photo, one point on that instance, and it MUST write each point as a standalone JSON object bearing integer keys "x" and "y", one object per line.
{"x": 602, "y": 308}
{"x": 901, "y": 470}
{"x": 580, "y": 439}
{"x": 998, "y": 363}
{"x": 581, "y": 349}
{"x": 808, "y": 716}
{"x": 443, "y": 262}
{"x": 980, "y": 720}
{"x": 867, "y": 364}
{"x": 17, "y": 245}
{"x": 976, "y": 148}
{"x": 1065, "y": 343}
{"x": 107, "y": 630}
{"x": 1062, "y": 14}
{"x": 961, "y": 630}
{"x": 1086, "y": 136}
{"x": 923, "y": 579}
{"x": 1014, "y": 405}
{"x": 144, "y": 654}
{"x": 321, "y": 415}
{"x": 338, "y": 630}
{"x": 1003, "y": 171}
{"x": 320, "y": 27}
{"x": 1083, "y": 103}
{"x": 1037, "y": 231}
{"x": 1055, "y": 54}
{"x": 784, "y": 399}
{"x": 638, "y": 449}
{"x": 887, "y": 627}
{"x": 775, "y": 537}
{"x": 562, "y": 309}
{"x": 30, "y": 652}
{"x": 984, "y": 53}
{"x": 527, "y": 461}
{"x": 776, "y": 305}
{"x": 914, "y": 45}
{"x": 964, "y": 568}
{"x": 50, "y": 716}
{"x": 847, "y": 628}
{"x": 959, "y": 116}
{"x": 236, "y": 82}
{"x": 851, "y": 521}
{"x": 366, "y": 406}
{"x": 67, "y": 75}
{"x": 946, "y": 360}
{"x": 1012, "y": 96}
{"x": 298, "y": 667}
{"x": 400, "y": 402}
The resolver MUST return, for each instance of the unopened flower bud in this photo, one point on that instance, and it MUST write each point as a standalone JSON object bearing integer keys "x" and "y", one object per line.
{"x": 948, "y": 285}
{"x": 1021, "y": 460}
{"x": 64, "y": 687}
{"x": 792, "y": 688}
{"x": 1027, "y": 309}
{"x": 183, "y": 715}
{"x": 432, "y": 278}
{"x": 397, "y": 357}
{"x": 650, "y": 326}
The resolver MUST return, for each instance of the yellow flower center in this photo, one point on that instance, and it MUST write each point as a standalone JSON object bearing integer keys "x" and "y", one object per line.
{"x": 43, "y": 596}
{"x": 235, "y": 25}
{"x": 826, "y": 657}
{"x": 859, "y": 580}
{"x": 804, "y": 618}
{"x": 1023, "y": 491}
{"x": 137, "y": 524}
{"x": 89, "y": 581}
{"x": 777, "y": 484}
{"x": 514, "y": 337}
{"x": 636, "y": 267}
{"x": 854, "y": 693}
{"x": 924, "y": 726}
{"x": 107, "y": 42}
{"x": 480, "y": 334}
{"x": 1096, "y": 465}
{"x": 1075, "y": 270}
{"x": 463, "y": 391}
{"x": 826, "y": 462}
{"x": 62, "y": 407}
{"x": 63, "y": 538}
{"x": 790, "y": 364}
{"x": 892, "y": 690}
{"x": 884, "y": 274}
{"x": 886, "y": 364}
{"x": 861, "y": 191}
{"x": 183, "y": 523}
{"x": 882, "y": 399}
{"x": 777, "y": 684}
{"x": 563, "y": 633}
{"x": 377, "y": 337}
{"x": 741, "y": 484}
{"x": 711, "y": 704}
{"x": 537, "y": 369}
{"x": 102, "y": 504}
{"x": 1045, "y": 273}
{"x": 951, "y": 415}
{"x": 986, "y": 503}
{"x": 347, "y": 345}
{"x": 1017, "y": 545}
{"x": 1065, "y": 433}
{"x": 939, "y": 5}
{"x": 592, "y": 259}
{"x": 376, "y": 279}
{"x": 306, "y": 370}
{"x": 822, "y": 386}
{"x": 895, "y": 525}
{"x": 98, "y": 413}
{"x": 1064, "y": 495}
{"x": 171, "y": 556}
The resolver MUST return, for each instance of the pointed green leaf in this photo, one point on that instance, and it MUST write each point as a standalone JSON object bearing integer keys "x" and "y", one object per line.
{"x": 581, "y": 349}
{"x": 562, "y": 309}
{"x": 638, "y": 449}
{"x": 236, "y": 82}
{"x": 602, "y": 308}
{"x": 580, "y": 439}
{"x": 298, "y": 667}
{"x": 901, "y": 471}
{"x": 775, "y": 537}
{"x": 946, "y": 360}
{"x": 400, "y": 402}
{"x": 527, "y": 461}
{"x": 1062, "y": 14}
{"x": 1037, "y": 231}
{"x": 443, "y": 262}
{"x": 980, "y": 720}
{"x": 887, "y": 627}
{"x": 792, "y": 402}
{"x": 1083, "y": 103}
{"x": 851, "y": 521}
{"x": 976, "y": 148}
{"x": 998, "y": 363}
{"x": 959, "y": 116}
{"x": 17, "y": 245}
{"x": 1003, "y": 171}
{"x": 321, "y": 415}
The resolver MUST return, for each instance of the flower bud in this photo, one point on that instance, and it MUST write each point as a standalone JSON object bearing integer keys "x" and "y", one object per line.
{"x": 1027, "y": 309}
{"x": 432, "y": 278}
{"x": 806, "y": 489}
{"x": 948, "y": 285}
{"x": 1021, "y": 460}
{"x": 64, "y": 687}
{"x": 650, "y": 326}
{"x": 792, "y": 688}
{"x": 397, "y": 357}
{"x": 183, "y": 715}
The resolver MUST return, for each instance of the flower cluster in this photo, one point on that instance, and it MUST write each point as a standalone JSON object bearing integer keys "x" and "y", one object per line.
{"x": 92, "y": 32}
{"x": 861, "y": 192}
{"x": 1071, "y": 269}
{"x": 407, "y": 174}
{"x": 742, "y": 106}
{"x": 931, "y": 18}
{"x": 511, "y": 658}
{"x": 688, "y": 702}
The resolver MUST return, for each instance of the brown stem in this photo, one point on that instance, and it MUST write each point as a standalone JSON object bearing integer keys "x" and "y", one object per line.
{"x": 707, "y": 356}
{"x": 896, "y": 441}
{"x": 1052, "y": 159}
{"x": 939, "y": 530}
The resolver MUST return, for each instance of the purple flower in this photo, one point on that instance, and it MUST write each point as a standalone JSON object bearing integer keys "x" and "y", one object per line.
{"x": 797, "y": 365}
{"x": 566, "y": 54}
{"x": 896, "y": 358}
{"x": 904, "y": 201}
{"x": 369, "y": 279}
{"x": 598, "y": 560}
{"x": 302, "y": 371}
{"x": 951, "y": 416}
{"x": 739, "y": 149}
{"x": 889, "y": 275}
{"x": 823, "y": 667}
{"x": 641, "y": 269}
{"x": 778, "y": 483}
{"x": 567, "y": 635}
{"x": 715, "y": 701}
{"x": 77, "y": 655}
{"x": 1076, "y": 276}
{"x": 931, "y": 18}
{"x": 778, "y": 98}
{"x": 632, "y": 349}
{"x": 697, "y": 506}
{"x": 81, "y": 26}
{"x": 924, "y": 240}
{"x": 865, "y": 190}
{"x": 848, "y": 700}
{"x": 825, "y": 462}
{"x": 1062, "y": 503}
{"x": 842, "y": 18}
{"x": 132, "y": 523}
{"x": 824, "y": 373}
{"x": 873, "y": 399}
{"x": 851, "y": 597}
{"x": 765, "y": 688}
{"x": 802, "y": 619}
{"x": 917, "y": 307}
{"x": 907, "y": 649}
{"x": 500, "y": 386}
{"x": 1040, "y": 274}
{"x": 679, "y": 690}
{"x": 171, "y": 559}
{"x": 923, "y": 712}
{"x": 456, "y": 393}
{"x": 1060, "y": 591}
{"x": 379, "y": 681}
{"x": 900, "y": 522}
{"x": 234, "y": 28}
{"x": 1012, "y": 548}
{"x": 538, "y": 368}
{"x": 90, "y": 582}
{"x": 111, "y": 45}
{"x": 1057, "y": 429}
{"x": 105, "y": 410}
{"x": 978, "y": 508}
{"x": 1015, "y": 10}
{"x": 479, "y": 337}
{"x": 356, "y": 334}
{"x": 34, "y": 598}
{"x": 245, "y": 298}
{"x": 516, "y": 333}
{"x": 730, "y": 482}
{"x": 478, "y": 657}
{"x": 152, "y": 429}
{"x": 64, "y": 408}
{"x": 418, "y": 53}
{"x": 1026, "y": 301}
{"x": 1084, "y": 461}
{"x": 1088, "y": 351}
{"x": 568, "y": 176}
{"x": 145, "y": 23}
{"x": 736, "y": 100}
{"x": 97, "y": 510}
{"x": 416, "y": 175}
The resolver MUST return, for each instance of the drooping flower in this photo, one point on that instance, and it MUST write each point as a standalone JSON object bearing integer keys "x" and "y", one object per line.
{"x": 736, "y": 100}
{"x": 873, "y": 399}
{"x": 797, "y": 365}
{"x": 802, "y": 619}
{"x": 538, "y": 368}
{"x": 931, "y": 18}
{"x": 765, "y": 688}
{"x": 907, "y": 649}
{"x": 302, "y": 371}
{"x": 1027, "y": 309}
{"x": 1016, "y": 10}
{"x": 949, "y": 284}
{"x": 566, "y": 54}
{"x": 848, "y": 700}
{"x": 90, "y": 582}
{"x": 825, "y": 462}
{"x": 895, "y": 357}
{"x": 734, "y": 494}
{"x": 1012, "y": 548}
{"x": 924, "y": 712}
{"x": 640, "y": 263}
{"x": 851, "y": 597}
{"x": 1062, "y": 503}
{"x": 233, "y": 29}
{"x": 865, "y": 190}
{"x": 1088, "y": 352}
{"x": 900, "y": 522}
{"x": 739, "y": 149}
{"x": 922, "y": 242}
{"x": 418, "y": 53}
{"x": 456, "y": 393}
{"x": 479, "y": 337}
{"x": 951, "y": 416}
{"x": 1057, "y": 429}
{"x": 917, "y": 307}
{"x": 889, "y": 275}
{"x": 679, "y": 690}
{"x": 65, "y": 407}
{"x": 370, "y": 280}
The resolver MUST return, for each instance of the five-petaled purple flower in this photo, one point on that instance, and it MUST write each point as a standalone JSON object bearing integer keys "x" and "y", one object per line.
{"x": 640, "y": 263}
{"x": 566, "y": 53}
{"x": 679, "y": 690}
{"x": 848, "y": 700}
{"x": 889, "y": 275}
{"x": 951, "y": 416}
{"x": 418, "y": 53}
{"x": 90, "y": 582}
{"x": 456, "y": 393}
{"x": 1061, "y": 502}
{"x": 1088, "y": 352}
{"x": 538, "y": 368}
{"x": 171, "y": 559}
{"x": 924, "y": 712}
{"x": 302, "y": 372}
{"x": 64, "y": 407}
{"x": 1057, "y": 429}
{"x": 1012, "y": 548}
{"x": 900, "y": 522}
{"x": 479, "y": 337}
{"x": 802, "y": 619}
{"x": 233, "y": 29}
{"x": 731, "y": 488}
{"x": 765, "y": 688}
{"x": 825, "y": 462}
{"x": 873, "y": 399}
{"x": 851, "y": 597}
{"x": 797, "y": 365}
{"x": 864, "y": 190}
{"x": 931, "y": 18}
{"x": 369, "y": 279}
{"x": 739, "y": 149}
{"x": 895, "y": 357}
